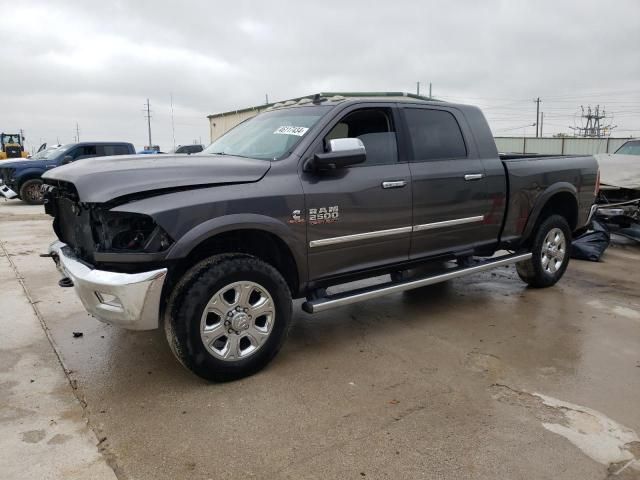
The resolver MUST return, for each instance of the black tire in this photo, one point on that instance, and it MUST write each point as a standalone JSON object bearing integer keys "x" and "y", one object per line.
{"x": 30, "y": 192}
{"x": 545, "y": 267}
{"x": 192, "y": 294}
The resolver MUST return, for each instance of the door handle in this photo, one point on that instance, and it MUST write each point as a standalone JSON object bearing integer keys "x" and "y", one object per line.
{"x": 394, "y": 184}
{"x": 473, "y": 176}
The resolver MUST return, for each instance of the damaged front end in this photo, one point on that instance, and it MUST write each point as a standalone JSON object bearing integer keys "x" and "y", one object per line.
{"x": 100, "y": 236}
{"x": 619, "y": 210}
{"x": 112, "y": 259}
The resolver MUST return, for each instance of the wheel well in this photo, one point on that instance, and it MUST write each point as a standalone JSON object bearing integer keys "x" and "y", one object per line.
{"x": 264, "y": 245}
{"x": 25, "y": 178}
{"x": 562, "y": 203}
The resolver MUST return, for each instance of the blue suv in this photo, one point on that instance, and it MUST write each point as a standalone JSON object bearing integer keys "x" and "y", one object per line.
{"x": 21, "y": 178}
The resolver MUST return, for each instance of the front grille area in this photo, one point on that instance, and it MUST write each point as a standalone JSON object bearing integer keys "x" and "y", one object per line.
{"x": 6, "y": 174}
{"x": 72, "y": 224}
{"x": 13, "y": 152}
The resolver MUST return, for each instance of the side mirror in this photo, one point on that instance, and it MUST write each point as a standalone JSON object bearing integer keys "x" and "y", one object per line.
{"x": 342, "y": 153}
{"x": 67, "y": 159}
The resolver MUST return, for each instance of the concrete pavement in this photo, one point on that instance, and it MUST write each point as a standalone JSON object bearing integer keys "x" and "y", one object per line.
{"x": 477, "y": 378}
{"x": 43, "y": 429}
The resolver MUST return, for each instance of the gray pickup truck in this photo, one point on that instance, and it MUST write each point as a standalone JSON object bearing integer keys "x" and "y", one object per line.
{"x": 305, "y": 196}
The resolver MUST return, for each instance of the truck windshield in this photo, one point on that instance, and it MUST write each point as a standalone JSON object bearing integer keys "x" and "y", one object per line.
{"x": 46, "y": 154}
{"x": 269, "y": 135}
{"x": 629, "y": 148}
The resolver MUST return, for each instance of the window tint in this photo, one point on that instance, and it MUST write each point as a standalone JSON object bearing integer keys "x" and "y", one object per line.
{"x": 84, "y": 151}
{"x": 115, "y": 150}
{"x": 374, "y": 127}
{"x": 435, "y": 134}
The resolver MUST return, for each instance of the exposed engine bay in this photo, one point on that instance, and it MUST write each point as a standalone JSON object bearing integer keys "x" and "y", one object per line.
{"x": 95, "y": 233}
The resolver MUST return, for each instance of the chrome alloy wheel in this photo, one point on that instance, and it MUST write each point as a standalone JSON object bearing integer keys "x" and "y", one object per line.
{"x": 237, "y": 320}
{"x": 554, "y": 249}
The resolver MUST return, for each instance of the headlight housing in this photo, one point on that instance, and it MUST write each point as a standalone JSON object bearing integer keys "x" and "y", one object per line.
{"x": 129, "y": 232}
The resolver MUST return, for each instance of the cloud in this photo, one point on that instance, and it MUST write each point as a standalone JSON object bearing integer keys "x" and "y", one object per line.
{"x": 96, "y": 62}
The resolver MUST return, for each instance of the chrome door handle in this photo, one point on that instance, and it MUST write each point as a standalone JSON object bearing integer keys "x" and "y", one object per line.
{"x": 473, "y": 176}
{"x": 394, "y": 184}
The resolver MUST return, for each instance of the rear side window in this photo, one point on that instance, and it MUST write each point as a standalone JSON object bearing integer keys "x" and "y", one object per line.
{"x": 115, "y": 150}
{"x": 435, "y": 134}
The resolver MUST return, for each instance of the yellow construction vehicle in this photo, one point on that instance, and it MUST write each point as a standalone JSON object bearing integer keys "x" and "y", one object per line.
{"x": 11, "y": 146}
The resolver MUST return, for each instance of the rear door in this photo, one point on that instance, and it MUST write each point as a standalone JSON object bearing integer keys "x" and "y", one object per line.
{"x": 359, "y": 217}
{"x": 449, "y": 190}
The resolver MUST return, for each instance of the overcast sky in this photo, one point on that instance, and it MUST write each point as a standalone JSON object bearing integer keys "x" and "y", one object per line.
{"x": 96, "y": 62}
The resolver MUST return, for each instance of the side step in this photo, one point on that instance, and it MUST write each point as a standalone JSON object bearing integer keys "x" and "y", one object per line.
{"x": 367, "y": 293}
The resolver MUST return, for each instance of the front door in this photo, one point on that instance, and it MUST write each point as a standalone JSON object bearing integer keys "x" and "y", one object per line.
{"x": 359, "y": 217}
{"x": 450, "y": 196}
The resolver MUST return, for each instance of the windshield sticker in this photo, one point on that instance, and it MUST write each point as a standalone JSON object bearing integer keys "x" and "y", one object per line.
{"x": 289, "y": 130}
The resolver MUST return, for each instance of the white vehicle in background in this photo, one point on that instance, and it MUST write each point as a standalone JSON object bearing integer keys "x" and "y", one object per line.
{"x": 621, "y": 170}
{"x": 619, "y": 195}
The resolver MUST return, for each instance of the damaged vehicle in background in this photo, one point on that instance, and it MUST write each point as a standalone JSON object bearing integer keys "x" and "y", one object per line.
{"x": 619, "y": 197}
{"x": 300, "y": 198}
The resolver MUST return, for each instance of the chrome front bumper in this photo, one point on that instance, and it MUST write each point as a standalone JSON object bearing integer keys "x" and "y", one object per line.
{"x": 6, "y": 192}
{"x": 128, "y": 300}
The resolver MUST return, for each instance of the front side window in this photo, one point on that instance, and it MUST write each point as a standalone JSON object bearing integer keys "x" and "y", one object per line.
{"x": 374, "y": 127}
{"x": 435, "y": 135}
{"x": 269, "y": 135}
{"x": 84, "y": 151}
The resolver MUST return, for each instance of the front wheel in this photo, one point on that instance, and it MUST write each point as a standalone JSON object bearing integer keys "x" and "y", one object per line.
{"x": 228, "y": 316}
{"x": 550, "y": 248}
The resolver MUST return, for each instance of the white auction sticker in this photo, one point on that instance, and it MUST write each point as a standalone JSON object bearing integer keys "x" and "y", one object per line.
{"x": 289, "y": 130}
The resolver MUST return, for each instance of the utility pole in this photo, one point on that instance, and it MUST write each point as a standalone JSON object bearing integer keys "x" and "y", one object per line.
{"x": 77, "y": 132}
{"x": 417, "y": 88}
{"x": 173, "y": 128}
{"x": 148, "y": 115}
{"x": 429, "y": 90}
{"x": 266, "y": 99}
{"x": 537, "y": 102}
{"x": 541, "y": 123}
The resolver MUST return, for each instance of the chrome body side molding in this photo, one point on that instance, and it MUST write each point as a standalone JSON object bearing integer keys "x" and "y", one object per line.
{"x": 447, "y": 223}
{"x": 358, "y": 236}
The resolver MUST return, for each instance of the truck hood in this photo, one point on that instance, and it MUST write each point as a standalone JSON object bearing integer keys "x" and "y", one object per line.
{"x": 621, "y": 171}
{"x": 22, "y": 164}
{"x": 102, "y": 179}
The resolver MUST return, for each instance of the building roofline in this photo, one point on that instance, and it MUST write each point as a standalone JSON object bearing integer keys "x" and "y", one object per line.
{"x": 322, "y": 94}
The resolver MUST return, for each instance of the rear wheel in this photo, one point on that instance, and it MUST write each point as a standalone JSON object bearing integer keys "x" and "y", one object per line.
{"x": 31, "y": 192}
{"x": 550, "y": 248}
{"x": 228, "y": 316}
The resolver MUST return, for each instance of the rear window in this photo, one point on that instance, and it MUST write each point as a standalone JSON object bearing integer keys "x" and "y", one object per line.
{"x": 435, "y": 134}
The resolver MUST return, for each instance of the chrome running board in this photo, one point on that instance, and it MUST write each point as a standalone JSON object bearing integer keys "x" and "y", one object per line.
{"x": 367, "y": 293}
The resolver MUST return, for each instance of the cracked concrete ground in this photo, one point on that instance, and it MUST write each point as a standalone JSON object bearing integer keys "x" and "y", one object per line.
{"x": 478, "y": 378}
